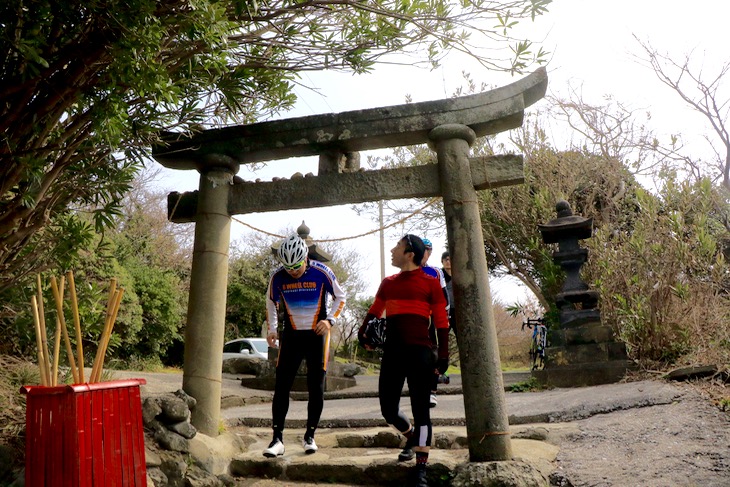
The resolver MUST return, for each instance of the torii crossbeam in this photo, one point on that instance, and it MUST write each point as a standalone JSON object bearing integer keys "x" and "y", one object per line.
{"x": 449, "y": 126}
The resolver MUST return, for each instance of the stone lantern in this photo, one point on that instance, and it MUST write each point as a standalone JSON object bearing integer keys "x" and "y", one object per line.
{"x": 582, "y": 351}
{"x": 314, "y": 251}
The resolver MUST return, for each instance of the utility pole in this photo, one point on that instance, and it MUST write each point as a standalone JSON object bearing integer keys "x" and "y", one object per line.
{"x": 382, "y": 240}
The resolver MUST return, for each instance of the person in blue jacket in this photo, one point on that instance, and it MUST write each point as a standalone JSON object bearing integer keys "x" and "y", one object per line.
{"x": 438, "y": 274}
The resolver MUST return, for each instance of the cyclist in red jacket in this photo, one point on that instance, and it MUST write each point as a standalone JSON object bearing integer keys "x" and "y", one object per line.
{"x": 409, "y": 300}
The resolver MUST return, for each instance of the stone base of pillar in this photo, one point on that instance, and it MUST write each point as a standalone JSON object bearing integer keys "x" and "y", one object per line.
{"x": 267, "y": 383}
{"x": 581, "y": 375}
{"x": 583, "y": 355}
{"x": 265, "y": 379}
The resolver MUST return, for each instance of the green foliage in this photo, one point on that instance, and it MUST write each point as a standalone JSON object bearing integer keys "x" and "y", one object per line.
{"x": 530, "y": 385}
{"x": 724, "y": 404}
{"x": 145, "y": 260}
{"x": 663, "y": 281}
{"x": 353, "y": 317}
{"x": 248, "y": 280}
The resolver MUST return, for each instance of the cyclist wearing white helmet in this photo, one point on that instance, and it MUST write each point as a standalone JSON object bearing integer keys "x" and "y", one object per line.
{"x": 297, "y": 295}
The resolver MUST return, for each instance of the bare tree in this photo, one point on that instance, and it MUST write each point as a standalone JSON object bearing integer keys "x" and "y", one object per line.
{"x": 703, "y": 92}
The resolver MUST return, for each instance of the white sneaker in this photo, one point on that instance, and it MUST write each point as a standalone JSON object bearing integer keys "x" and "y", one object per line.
{"x": 275, "y": 449}
{"x": 309, "y": 446}
{"x": 433, "y": 402}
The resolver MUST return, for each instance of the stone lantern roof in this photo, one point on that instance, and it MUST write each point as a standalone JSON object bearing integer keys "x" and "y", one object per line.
{"x": 566, "y": 225}
{"x": 314, "y": 251}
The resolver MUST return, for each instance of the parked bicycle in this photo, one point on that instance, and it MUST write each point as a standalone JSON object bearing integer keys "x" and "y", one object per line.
{"x": 538, "y": 343}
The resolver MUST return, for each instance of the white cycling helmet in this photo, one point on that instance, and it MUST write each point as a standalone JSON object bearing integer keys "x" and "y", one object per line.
{"x": 292, "y": 251}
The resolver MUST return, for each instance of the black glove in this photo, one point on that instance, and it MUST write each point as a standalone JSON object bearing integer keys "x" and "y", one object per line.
{"x": 442, "y": 365}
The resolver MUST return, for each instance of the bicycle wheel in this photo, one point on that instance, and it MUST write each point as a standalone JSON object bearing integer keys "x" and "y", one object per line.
{"x": 534, "y": 355}
{"x": 540, "y": 363}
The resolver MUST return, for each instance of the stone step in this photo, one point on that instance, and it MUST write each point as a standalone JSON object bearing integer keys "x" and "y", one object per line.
{"x": 369, "y": 456}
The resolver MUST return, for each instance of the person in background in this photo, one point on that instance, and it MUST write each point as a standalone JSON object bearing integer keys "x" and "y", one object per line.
{"x": 410, "y": 301}
{"x": 438, "y": 274}
{"x": 298, "y": 293}
{"x": 446, "y": 270}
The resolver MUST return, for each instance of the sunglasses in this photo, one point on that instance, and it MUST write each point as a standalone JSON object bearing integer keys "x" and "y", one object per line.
{"x": 293, "y": 267}
{"x": 410, "y": 244}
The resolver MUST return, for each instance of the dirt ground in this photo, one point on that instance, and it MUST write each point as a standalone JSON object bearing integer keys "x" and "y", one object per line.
{"x": 683, "y": 444}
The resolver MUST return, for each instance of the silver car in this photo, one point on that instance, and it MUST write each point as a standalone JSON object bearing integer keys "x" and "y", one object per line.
{"x": 246, "y": 348}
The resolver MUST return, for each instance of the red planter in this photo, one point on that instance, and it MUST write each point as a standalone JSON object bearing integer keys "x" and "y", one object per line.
{"x": 85, "y": 435}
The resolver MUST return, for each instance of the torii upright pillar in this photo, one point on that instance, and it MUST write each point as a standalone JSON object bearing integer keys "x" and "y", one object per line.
{"x": 204, "y": 333}
{"x": 485, "y": 410}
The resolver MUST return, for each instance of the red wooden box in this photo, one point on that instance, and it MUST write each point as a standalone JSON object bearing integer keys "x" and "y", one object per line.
{"x": 85, "y": 435}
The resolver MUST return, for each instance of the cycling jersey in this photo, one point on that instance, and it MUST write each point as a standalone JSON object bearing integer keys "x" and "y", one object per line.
{"x": 409, "y": 299}
{"x": 303, "y": 301}
{"x": 439, "y": 274}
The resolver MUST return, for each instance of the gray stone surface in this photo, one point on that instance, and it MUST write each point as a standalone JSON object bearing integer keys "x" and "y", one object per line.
{"x": 636, "y": 433}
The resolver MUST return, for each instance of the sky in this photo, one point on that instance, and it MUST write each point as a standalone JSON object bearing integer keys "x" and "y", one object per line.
{"x": 593, "y": 51}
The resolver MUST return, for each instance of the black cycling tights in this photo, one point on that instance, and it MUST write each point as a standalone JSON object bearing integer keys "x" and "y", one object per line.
{"x": 295, "y": 346}
{"x": 414, "y": 364}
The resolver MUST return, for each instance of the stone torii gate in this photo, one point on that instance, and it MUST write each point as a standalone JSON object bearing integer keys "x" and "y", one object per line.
{"x": 449, "y": 126}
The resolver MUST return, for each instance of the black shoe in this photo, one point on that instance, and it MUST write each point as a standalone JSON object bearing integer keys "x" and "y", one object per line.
{"x": 418, "y": 477}
{"x": 407, "y": 454}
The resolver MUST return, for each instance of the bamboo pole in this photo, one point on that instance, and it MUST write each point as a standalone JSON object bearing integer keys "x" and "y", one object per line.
{"x": 108, "y": 334}
{"x": 58, "y": 295}
{"x": 56, "y": 353}
{"x": 77, "y": 324}
{"x": 42, "y": 324}
{"x": 41, "y": 358}
{"x": 99, "y": 350}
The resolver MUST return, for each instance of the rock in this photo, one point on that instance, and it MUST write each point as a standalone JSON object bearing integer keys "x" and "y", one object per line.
{"x": 152, "y": 459}
{"x": 157, "y": 476}
{"x": 171, "y": 441}
{"x": 155, "y": 427}
{"x": 688, "y": 373}
{"x": 389, "y": 439}
{"x": 174, "y": 409}
{"x": 351, "y": 370}
{"x": 538, "y": 433}
{"x": 197, "y": 477}
{"x": 184, "y": 429}
{"x": 189, "y": 400}
{"x": 244, "y": 467}
{"x": 247, "y": 366}
{"x": 214, "y": 454}
{"x": 350, "y": 441}
{"x": 150, "y": 409}
{"x": 175, "y": 468}
{"x": 498, "y": 474}
{"x": 445, "y": 440}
